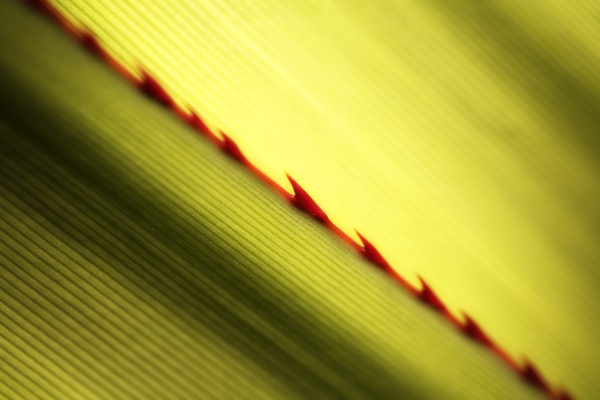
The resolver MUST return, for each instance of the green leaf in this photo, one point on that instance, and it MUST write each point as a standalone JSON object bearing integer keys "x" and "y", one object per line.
{"x": 460, "y": 137}
{"x": 136, "y": 260}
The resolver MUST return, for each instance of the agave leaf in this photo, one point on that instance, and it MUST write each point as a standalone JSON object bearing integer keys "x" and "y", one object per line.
{"x": 460, "y": 137}
{"x": 137, "y": 261}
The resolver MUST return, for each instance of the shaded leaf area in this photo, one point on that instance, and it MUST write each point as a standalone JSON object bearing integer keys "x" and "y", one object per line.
{"x": 137, "y": 261}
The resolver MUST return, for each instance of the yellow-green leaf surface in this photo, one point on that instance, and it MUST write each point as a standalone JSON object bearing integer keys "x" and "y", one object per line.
{"x": 461, "y": 137}
{"x": 136, "y": 261}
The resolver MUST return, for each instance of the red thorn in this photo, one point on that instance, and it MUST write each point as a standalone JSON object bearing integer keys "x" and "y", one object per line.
{"x": 180, "y": 112}
{"x": 369, "y": 252}
{"x": 42, "y": 5}
{"x": 531, "y": 375}
{"x": 304, "y": 202}
{"x": 564, "y": 395}
{"x": 428, "y": 296}
{"x": 301, "y": 199}
{"x": 90, "y": 42}
{"x": 474, "y": 331}
{"x": 198, "y": 123}
{"x": 153, "y": 89}
{"x": 231, "y": 148}
{"x": 372, "y": 254}
{"x": 46, "y": 8}
{"x": 200, "y": 126}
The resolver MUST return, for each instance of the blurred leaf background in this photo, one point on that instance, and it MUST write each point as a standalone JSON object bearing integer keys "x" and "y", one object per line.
{"x": 460, "y": 137}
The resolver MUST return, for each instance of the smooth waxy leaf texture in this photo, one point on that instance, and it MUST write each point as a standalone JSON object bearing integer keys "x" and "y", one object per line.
{"x": 137, "y": 261}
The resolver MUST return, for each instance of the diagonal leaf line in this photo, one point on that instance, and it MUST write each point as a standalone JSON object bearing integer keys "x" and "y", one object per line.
{"x": 323, "y": 312}
{"x": 23, "y": 355}
{"x": 27, "y": 386}
{"x": 38, "y": 184}
{"x": 32, "y": 382}
{"x": 46, "y": 286}
{"x": 208, "y": 288}
{"x": 219, "y": 235}
{"x": 70, "y": 323}
{"x": 33, "y": 196}
{"x": 549, "y": 391}
{"x": 20, "y": 306}
{"x": 167, "y": 296}
{"x": 28, "y": 328}
{"x": 50, "y": 367}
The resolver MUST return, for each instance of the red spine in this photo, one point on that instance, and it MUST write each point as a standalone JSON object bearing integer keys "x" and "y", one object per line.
{"x": 300, "y": 199}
